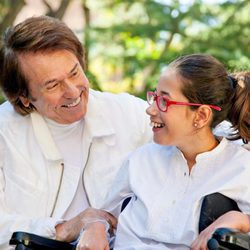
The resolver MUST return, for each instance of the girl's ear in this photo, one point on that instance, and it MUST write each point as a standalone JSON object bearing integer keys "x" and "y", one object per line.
{"x": 203, "y": 116}
{"x": 25, "y": 101}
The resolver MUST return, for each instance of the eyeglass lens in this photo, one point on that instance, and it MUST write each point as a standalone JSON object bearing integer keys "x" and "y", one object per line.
{"x": 161, "y": 102}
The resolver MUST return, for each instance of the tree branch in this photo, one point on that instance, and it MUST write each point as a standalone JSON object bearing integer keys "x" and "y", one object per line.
{"x": 59, "y": 13}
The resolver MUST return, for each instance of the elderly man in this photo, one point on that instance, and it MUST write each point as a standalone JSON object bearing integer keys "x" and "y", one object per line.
{"x": 61, "y": 144}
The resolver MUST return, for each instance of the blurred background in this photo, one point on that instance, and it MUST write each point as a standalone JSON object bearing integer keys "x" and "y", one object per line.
{"x": 128, "y": 43}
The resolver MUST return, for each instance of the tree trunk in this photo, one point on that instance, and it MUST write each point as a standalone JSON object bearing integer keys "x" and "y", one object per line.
{"x": 13, "y": 9}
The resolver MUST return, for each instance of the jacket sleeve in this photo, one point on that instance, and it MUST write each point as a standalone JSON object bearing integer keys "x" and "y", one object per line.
{"x": 119, "y": 191}
{"x": 142, "y": 120}
{"x": 139, "y": 128}
{"x": 10, "y": 221}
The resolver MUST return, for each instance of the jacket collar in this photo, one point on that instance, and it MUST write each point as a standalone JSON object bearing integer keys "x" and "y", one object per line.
{"x": 96, "y": 122}
{"x": 44, "y": 137}
{"x": 96, "y": 125}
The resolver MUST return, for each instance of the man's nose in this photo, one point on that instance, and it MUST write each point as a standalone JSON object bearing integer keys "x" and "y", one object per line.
{"x": 71, "y": 89}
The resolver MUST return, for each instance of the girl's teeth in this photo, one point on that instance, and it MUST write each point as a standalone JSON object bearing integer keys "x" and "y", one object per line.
{"x": 156, "y": 125}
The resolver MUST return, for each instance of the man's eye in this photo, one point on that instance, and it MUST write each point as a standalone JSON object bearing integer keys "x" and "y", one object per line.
{"x": 52, "y": 86}
{"x": 75, "y": 73}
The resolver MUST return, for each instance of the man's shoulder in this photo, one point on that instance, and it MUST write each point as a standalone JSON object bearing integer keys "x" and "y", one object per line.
{"x": 114, "y": 97}
{"x": 6, "y": 110}
{"x": 8, "y": 114}
{"x": 122, "y": 102}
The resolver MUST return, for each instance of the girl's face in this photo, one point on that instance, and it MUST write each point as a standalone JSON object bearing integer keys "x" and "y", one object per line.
{"x": 175, "y": 126}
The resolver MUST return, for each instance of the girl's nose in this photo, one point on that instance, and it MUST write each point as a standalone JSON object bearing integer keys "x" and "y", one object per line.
{"x": 152, "y": 109}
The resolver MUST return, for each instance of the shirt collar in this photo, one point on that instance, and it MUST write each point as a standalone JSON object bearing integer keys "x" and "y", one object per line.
{"x": 216, "y": 151}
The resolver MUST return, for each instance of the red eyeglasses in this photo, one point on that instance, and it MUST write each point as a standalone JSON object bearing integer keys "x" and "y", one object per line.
{"x": 163, "y": 102}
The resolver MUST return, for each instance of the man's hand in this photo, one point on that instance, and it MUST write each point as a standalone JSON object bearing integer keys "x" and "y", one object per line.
{"x": 94, "y": 238}
{"x": 69, "y": 230}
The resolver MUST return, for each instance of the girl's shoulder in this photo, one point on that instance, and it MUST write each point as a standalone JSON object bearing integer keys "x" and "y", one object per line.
{"x": 152, "y": 151}
{"x": 235, "y": 155}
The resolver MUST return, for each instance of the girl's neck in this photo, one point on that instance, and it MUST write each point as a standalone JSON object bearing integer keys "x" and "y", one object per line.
{"x": 197, "y": 146}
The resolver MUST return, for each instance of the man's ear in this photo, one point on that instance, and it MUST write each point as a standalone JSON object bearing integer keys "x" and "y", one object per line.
{"x": 25, "y": 101}
{"x": 203, "y": 116}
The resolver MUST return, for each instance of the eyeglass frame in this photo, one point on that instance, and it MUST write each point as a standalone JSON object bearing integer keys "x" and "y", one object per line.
{"x": 169, "y": 102}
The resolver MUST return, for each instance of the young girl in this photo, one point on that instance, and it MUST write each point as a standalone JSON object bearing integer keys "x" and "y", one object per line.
{"x": 168, "y": 179}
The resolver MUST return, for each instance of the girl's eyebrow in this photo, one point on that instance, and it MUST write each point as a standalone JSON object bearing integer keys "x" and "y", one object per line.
{"x": 163, "y": 92}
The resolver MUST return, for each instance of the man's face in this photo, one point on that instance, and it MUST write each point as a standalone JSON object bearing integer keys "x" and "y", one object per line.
{"x": 58, "y": 87}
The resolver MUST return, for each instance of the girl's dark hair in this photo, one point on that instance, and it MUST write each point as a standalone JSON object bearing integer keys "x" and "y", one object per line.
{"x": 205, "y": 80}
{"x": 35, "y": 34}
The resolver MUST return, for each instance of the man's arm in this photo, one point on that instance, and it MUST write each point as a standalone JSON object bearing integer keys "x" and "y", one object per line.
{"x": 95, "y": 236}
{"x": 70, "y": 230}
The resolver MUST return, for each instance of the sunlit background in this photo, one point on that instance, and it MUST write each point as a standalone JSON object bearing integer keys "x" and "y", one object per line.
{"x": 128, "y": 43}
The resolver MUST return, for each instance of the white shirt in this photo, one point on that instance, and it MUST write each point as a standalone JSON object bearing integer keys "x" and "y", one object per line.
{"x": 166, "y": 203}
{"x": 69, "y": 139}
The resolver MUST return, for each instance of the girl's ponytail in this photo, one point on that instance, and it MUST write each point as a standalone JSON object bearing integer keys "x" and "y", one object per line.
{"x": 239, "y": 115}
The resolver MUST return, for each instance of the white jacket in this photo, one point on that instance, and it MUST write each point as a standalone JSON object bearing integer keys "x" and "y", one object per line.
{"x": 35, "y": 191}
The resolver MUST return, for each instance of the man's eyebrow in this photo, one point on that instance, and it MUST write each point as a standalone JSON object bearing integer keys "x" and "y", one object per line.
{"x": 50, "y": 81}
{"x": 54, "y": 80}
{"x": 76, "y": 65}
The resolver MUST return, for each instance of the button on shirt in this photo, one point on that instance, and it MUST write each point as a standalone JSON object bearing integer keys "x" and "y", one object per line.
{"x": 166, "y": 203}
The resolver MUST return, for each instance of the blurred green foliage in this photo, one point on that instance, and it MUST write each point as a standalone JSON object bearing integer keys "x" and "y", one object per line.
{"x": 149, "y": 34}
{"x": 128, "y": 43}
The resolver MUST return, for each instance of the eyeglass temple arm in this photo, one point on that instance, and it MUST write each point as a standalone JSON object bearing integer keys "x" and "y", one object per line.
{"x": 193, "y": 104}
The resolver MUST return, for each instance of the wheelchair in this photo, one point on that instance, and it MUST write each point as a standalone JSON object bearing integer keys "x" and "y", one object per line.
{"x": 213, "y": 206}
